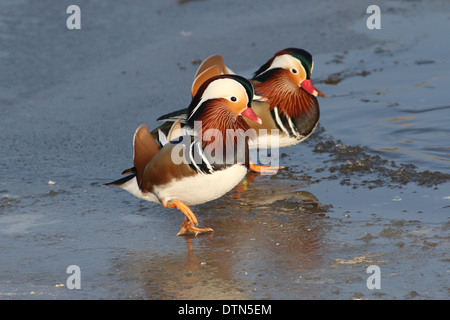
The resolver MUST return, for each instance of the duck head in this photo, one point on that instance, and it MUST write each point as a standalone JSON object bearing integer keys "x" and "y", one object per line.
{"x": 285, "y": 81}
{"x": 294, "y": 64}
{"x": 221, "y": 102}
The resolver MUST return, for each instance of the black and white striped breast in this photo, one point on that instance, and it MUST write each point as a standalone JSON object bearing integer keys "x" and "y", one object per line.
{"x": 299, "y": 128}
{"x": 209, "y": 161}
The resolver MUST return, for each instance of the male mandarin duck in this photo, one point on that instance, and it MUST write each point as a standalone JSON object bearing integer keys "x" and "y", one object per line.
{"x": 285, "y": 98}
{"x": 183, "y": 172}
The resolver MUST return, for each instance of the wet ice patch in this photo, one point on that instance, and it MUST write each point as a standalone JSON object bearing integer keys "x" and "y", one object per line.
{"x": 135, "y": 219}
{"x": 371, "y": 89}
{"x": 22, "y": 223}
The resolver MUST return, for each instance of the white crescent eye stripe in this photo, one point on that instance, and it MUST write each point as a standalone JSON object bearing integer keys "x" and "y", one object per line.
{"x": 285, "y": 61}
{"x": 221, "y": 88}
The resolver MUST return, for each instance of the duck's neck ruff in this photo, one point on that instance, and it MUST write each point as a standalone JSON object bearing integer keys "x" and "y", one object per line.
{"x": 291, "y": 100}
{"x": 217, "y": 120}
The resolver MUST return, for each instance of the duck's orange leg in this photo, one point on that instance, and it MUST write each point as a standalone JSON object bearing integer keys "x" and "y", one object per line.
{"x": 190, "y": 221}
{"x": 264, "y": 169}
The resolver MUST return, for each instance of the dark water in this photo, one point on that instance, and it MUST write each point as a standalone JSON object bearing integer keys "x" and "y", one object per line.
{"x": 369, "y": 187}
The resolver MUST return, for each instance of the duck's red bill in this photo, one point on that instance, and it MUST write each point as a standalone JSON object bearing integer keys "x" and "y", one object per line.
{"x": 248, "y": 113}
{"x": 307, "y": 85}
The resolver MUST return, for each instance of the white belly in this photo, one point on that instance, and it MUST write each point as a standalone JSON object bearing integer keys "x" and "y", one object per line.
{"x": 201, "y": 188}
{"x": 274, "y": 142}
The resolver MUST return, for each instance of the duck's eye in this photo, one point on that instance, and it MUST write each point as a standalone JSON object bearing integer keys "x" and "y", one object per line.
{"x": 293, "y": 70}
{"x": 234, "y": 99}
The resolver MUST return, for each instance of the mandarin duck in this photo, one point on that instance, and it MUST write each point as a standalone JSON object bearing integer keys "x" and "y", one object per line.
{"x": 191, "y": 169}
{"x": 284, "y": 99}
